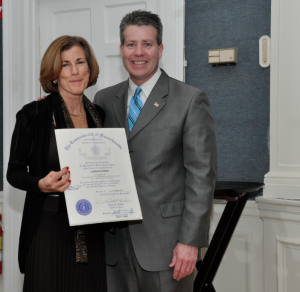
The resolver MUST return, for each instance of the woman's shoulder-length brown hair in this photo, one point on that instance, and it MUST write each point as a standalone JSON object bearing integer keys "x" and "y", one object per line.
{"x": 51, "y": 64}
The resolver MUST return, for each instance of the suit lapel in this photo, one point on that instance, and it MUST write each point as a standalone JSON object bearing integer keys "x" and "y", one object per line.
{"x": 120, "y": 106}
{"x": 154, "y": 104}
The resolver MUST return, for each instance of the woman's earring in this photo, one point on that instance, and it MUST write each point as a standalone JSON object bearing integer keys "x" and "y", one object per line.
{"x": 54, "y": 81}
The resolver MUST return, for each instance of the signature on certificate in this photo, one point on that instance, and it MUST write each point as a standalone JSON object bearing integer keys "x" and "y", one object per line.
{"x": 74, "y": 187}
{"x": 113, "y": 200}
{"x": 123, "y": 212}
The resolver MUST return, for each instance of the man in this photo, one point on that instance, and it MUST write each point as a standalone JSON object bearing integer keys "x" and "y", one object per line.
{"x": 173, "y": 153}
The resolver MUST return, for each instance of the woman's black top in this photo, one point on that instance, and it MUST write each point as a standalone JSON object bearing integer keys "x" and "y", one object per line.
{"x": 52, "y": 159}
{"x": 28, "y": 158}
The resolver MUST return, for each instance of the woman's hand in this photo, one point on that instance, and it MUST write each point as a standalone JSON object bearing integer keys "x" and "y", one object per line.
{"x": 55, "y": 182}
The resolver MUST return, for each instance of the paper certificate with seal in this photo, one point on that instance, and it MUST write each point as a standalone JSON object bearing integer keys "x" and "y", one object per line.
{"x": 102, "y": 185}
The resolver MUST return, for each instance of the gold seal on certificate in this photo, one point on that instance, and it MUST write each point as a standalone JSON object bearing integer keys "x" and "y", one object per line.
{"x": 102, "y": 184}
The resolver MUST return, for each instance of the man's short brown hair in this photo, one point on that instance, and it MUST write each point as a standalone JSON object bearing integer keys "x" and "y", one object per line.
{"x": 51, "y": 63}
{"x": 139, "y": 18}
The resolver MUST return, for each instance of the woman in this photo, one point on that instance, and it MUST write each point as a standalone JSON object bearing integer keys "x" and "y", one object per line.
{"x": 52, "y": 255}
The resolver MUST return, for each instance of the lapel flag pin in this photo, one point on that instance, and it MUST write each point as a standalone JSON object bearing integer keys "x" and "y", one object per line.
{"x": 156, "y": 104}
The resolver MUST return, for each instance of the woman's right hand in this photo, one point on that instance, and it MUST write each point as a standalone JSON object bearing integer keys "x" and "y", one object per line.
{"x": 54, "y": 182}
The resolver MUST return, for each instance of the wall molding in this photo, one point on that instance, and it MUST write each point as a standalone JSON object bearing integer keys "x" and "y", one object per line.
{"x": 245, "y": 250}
{"x": 251, "y": 209}
{"x": 282, "y": 185}
{"x": 251, "y": 212}
{"x": 282, "y": 244}
{"x": 20, "y": 86}
{"x": 280, "y": 202}
{"x": 168, "y": 11}
{"x": 277, "y": 209}
{"x": 247, "y": 236}
{"x": 248, "y": 252}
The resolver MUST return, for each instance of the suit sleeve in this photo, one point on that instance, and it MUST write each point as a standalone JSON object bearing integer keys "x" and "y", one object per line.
{"x": 20, "y": 154}
{"x": 200, "y": 162}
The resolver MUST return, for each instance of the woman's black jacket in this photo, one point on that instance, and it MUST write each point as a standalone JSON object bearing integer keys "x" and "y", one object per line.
{"x": 28, "y": 157}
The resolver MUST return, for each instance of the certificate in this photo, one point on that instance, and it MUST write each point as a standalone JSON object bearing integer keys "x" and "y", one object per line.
{"x": 102, "y": 185}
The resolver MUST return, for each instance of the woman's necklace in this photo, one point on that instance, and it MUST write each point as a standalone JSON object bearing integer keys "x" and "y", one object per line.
{"x": 73, "y": 115}
{"x": 80, "y": 115}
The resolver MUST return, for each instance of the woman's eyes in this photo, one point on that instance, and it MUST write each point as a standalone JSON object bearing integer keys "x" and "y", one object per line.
{"x": 67, "y": 64}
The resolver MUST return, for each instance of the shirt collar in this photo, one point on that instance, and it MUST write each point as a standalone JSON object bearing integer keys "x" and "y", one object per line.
{"x": 147, "y": 86}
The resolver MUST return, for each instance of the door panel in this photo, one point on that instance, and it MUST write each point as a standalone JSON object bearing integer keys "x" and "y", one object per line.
{"x": 65, "y": 18}
{"x": 98, "y": 22}
{"x": 113, "y": 11}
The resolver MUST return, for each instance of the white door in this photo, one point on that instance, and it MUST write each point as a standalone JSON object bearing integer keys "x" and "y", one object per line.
{"x": 25, "y": 39}
{"x": 98, "y": 22}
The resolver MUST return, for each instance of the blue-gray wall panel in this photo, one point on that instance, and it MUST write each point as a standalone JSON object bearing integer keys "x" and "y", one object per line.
{"x": 239, "y": 95}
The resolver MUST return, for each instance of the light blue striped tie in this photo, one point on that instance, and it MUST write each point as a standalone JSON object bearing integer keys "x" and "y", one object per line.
{"x": 135, "y": 108}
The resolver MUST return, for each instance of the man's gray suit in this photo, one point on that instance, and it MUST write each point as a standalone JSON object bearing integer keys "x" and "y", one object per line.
{"x": 173, "y": 155}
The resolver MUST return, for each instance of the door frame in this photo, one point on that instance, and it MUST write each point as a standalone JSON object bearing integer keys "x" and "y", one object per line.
{"x": 20, "y": 86}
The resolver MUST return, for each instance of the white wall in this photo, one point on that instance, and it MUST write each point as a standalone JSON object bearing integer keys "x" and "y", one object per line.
{"x": 20, "y": 86}
{"x": 282, "y": 217}
{"x": 241, "y": 269}
{"x": 281, "y": 244}
{"x": 283, "y": 180}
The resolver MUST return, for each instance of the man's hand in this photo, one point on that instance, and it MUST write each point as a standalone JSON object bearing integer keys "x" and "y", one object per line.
{"x": 40, "y": 98}
{"x": 184, "y": 260}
